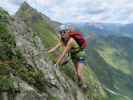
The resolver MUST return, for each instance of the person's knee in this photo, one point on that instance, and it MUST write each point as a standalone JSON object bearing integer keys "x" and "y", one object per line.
{"x": 80, "y": 65}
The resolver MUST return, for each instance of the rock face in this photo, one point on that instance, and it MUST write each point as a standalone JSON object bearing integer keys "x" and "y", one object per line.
{"x": 26, "y": 70}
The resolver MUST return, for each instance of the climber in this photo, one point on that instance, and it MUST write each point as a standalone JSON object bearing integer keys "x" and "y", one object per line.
{"x": 74, "y": 44}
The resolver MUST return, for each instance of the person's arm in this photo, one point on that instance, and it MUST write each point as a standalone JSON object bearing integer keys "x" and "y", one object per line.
{"x": 54, "y": 48}
{"x": 66, "y": 50}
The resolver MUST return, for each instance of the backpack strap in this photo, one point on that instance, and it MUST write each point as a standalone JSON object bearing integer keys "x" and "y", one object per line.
{"x": 78, "y": 37}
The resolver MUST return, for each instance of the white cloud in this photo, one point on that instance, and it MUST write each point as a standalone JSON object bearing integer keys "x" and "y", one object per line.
{"x": 8, "y": 6}
{"x": 79, "y": 10}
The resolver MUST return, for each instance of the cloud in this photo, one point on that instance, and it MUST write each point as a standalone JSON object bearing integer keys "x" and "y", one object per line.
{"x": 79, "y": 10}
{"x": 9, "y": 6}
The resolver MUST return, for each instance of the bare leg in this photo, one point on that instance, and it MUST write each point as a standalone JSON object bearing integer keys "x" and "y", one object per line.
{"x": 76, "y": 68}
{"x": 80, "y": 67}
{"x": 82, "y": 84}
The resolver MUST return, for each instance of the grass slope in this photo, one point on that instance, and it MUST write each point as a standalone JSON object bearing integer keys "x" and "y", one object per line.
{"x": 112, "y": 65}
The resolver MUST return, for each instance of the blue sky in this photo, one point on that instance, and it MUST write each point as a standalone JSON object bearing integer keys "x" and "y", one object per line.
{"x": 114, "y": 11}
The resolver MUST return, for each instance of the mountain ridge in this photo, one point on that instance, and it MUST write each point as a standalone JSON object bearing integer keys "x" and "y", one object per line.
{"x": 32, "y": 74}
{"x": 27, "y": 71}
{"x": 106, "y": 29}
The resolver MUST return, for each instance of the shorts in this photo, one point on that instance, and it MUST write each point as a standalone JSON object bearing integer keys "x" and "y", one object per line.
{"x": 82, "y": 61}
{"x": 78, "y": 57}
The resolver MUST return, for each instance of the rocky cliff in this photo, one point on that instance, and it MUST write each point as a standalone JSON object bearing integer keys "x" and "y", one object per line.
{"x": 27, "y": 71}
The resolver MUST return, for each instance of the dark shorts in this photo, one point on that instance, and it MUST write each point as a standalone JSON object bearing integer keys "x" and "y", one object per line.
{"x": 79, "y": 59}
{"x": 82, "y": 61}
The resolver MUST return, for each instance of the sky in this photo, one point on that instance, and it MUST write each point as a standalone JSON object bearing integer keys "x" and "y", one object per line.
{"x": 110, "y": 11}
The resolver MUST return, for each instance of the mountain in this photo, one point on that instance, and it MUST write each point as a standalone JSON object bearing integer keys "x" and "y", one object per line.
{"x": 106, "y": 29}
{"x": 128, "y": 28}
{"x": 26, "y": 8}
{"x": 27, "y": 71}
{"x": 38, "y": 22}
{"x": 111, "y": 58}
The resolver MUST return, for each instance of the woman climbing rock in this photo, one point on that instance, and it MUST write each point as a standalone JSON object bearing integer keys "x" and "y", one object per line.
{"x": 74, "y": 44}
